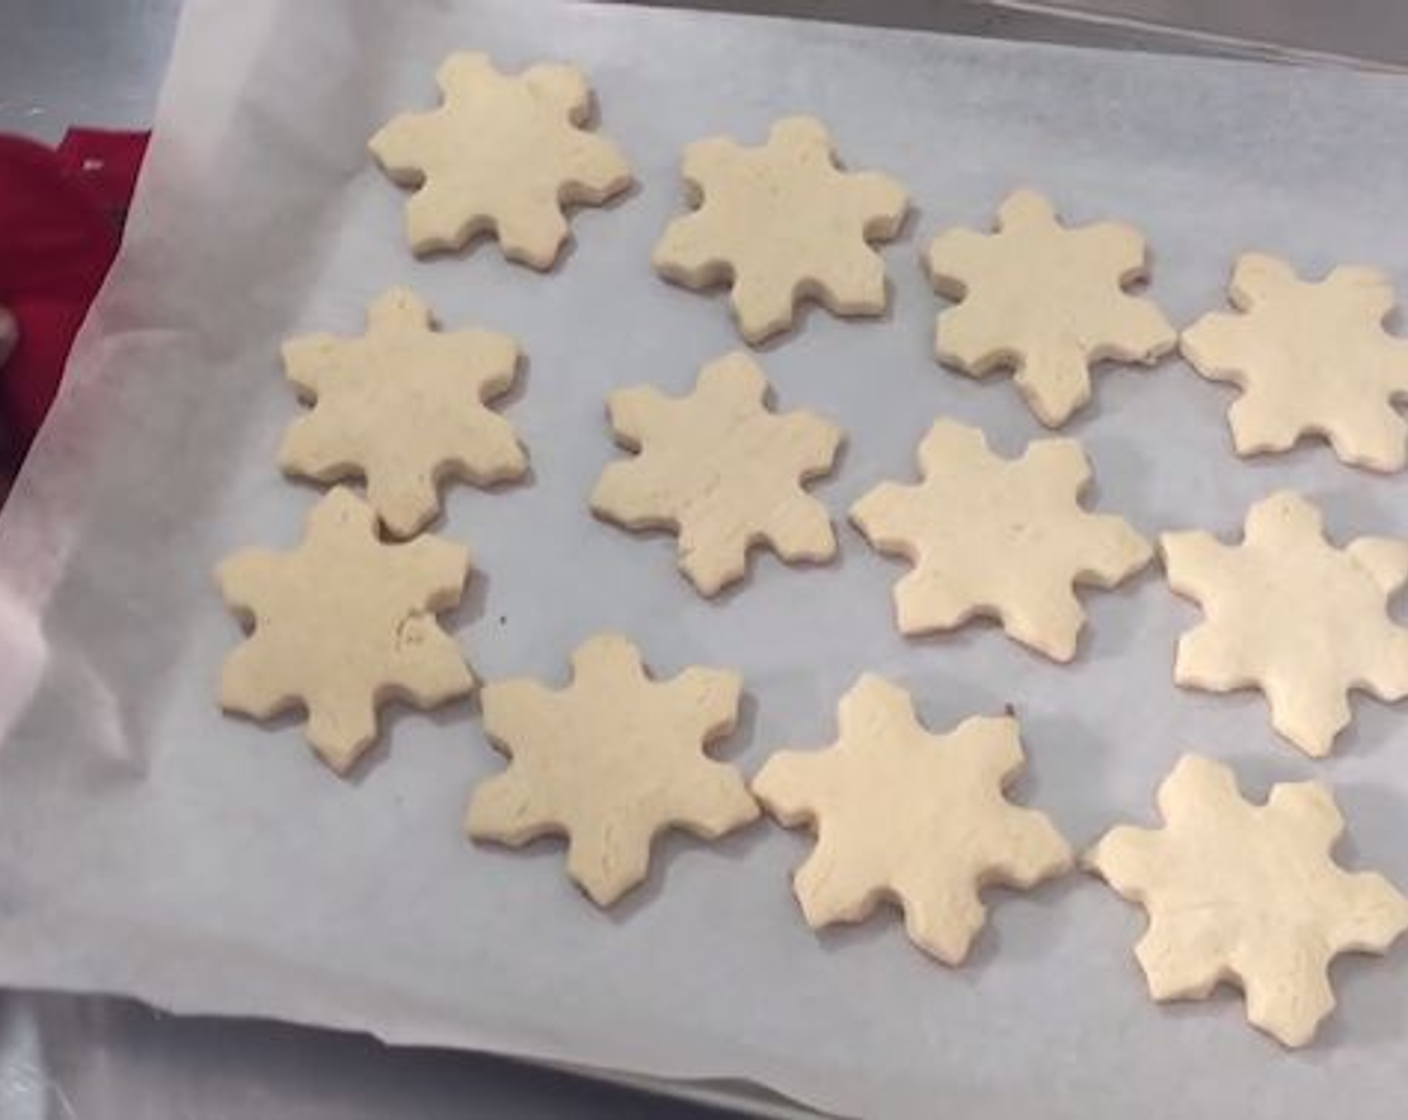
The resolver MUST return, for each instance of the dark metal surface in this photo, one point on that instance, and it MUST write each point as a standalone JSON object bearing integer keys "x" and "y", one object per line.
{"x": 87, "y": 62}
{"x": 1373, "y": 31}
{"x": 75, "y": 1058}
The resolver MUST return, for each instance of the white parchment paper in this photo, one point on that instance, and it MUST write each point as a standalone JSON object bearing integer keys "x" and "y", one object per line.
{"x": 149, "y": 846}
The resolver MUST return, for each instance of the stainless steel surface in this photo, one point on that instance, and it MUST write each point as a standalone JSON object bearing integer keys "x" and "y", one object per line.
{"x": 75, "y": 1058}
{"x": 99, "y": 62}
{"x": 89, "y": 62}
{"x": 957, "y": 17}
{"x": 1373, "y": 31}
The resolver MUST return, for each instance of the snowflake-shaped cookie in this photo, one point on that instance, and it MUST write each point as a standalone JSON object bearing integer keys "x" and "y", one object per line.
{"x": 610, "y": 761}
{"x": 402, "y": 406}
{"x": 1309, "y": 358}
{"x": 999, "y": 537}
{"x": 503, "y": 153}
{"x": 722, "y": 470}
{"x": 341, "y": 625}
{"x": 1247, "y": 894}
{"x": 905, "y": 815}
{"x": 1044, "y": 301}
{"x": 780, "y": 223}
{"x": 1291, "y": 614}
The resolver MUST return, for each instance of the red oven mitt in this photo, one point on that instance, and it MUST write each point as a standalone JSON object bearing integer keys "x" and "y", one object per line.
{"x": 61, "y": 215}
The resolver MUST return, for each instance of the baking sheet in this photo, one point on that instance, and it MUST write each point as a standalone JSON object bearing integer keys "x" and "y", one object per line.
{"x": 150, "y": 847}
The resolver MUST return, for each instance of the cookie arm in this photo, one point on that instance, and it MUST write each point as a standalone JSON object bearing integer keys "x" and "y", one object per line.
{"x": 398, "y": 147}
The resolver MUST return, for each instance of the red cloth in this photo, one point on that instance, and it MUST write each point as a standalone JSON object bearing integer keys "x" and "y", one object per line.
{"x": 61, "y": 215}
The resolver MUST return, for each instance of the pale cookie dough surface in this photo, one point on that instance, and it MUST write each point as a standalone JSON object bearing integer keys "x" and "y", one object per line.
{"x": 1249, "y": 895}
{"x": 1310, "y": 359}
{"x": 502, "y": 154}
{"x": 903, "y": 815}
{"x": 722, "y": 470}
{"x": 780, "y": 223}
{"x": 403, "y": 407}
{"x": 610, "y": 762}
{"x": 1045, "y": 301}
{"x": 998, "y": 537}
{"x": 1293, "y": 615}
{"x": 341, "y": 625}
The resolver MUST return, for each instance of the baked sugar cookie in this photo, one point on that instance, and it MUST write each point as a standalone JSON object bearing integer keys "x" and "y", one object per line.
{"x": 722, "y": 470}
{"x": 1045, "y": 301}
{"x": 1293, "y": 615}
{"x": 1310, "y": 358}
{"x": 502, "y": 154}
{"x": 403, "y": 407}
{"x": 998, "y": 537}
{"x": 1248, "y": 895}
{"x": 341, "y": 625}
{"x": 780, "y": 223}
{"x": 904, "y": 815}
{"x": 610, "y": 762}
